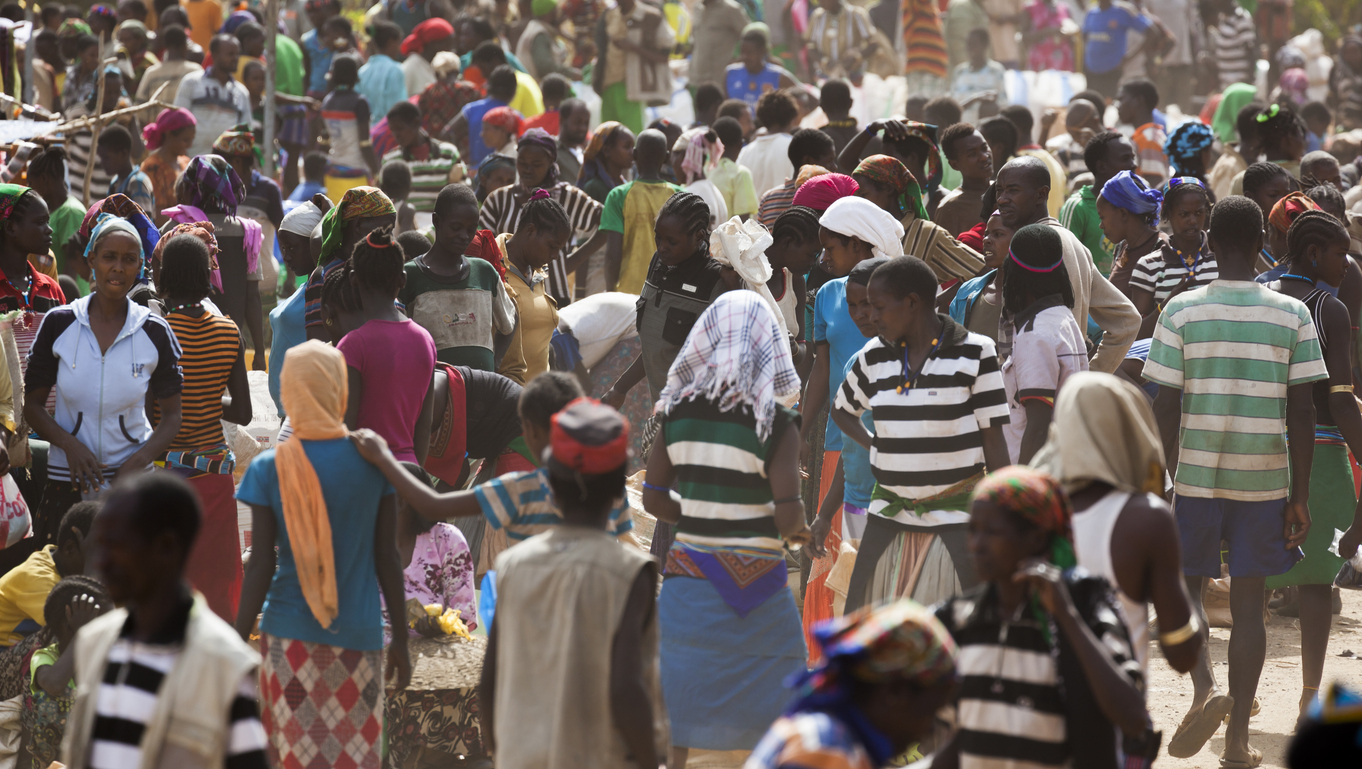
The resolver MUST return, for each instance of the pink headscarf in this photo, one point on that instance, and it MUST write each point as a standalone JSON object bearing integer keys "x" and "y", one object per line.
{"x": 822, "y": 191}
{"x": 169, "y": 121}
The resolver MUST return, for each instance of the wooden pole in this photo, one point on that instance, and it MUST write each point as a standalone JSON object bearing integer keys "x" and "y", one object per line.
{"x": 94, "y": 129}
{"x": 271, "y": 30}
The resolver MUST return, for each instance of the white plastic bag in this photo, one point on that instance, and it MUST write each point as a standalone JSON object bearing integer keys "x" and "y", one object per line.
{"x": 15, "y": 521}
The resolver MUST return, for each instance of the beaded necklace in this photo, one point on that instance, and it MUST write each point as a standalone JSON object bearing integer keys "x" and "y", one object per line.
{"x": 185, "y": 306}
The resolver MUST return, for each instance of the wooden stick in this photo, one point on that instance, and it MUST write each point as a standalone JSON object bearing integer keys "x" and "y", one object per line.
{"x": 82, "y": 122}
{"x": 90, "y": 159}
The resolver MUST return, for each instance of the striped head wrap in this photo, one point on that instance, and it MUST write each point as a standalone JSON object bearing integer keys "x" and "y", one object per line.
{"x": 1288, "y": 208}
{"x": 927, "y": 134}
{"x": 1186, "y": 143}
{"x": 1038, "y": 499}
{"x": 883, "y": 169}
{"x": 357, "y": 203}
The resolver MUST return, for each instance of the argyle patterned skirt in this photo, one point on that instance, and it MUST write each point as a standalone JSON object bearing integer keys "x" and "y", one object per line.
{"x": 322, "y": 705}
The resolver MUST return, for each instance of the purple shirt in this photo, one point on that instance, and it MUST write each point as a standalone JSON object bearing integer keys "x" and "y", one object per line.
{"x": 397, "y": 361}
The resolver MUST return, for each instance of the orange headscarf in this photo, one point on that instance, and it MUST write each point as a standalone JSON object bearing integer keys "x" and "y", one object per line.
{"x": 313, "y": 387}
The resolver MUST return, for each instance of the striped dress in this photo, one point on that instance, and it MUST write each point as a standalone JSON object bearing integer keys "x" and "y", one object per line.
{"x": 501, "y": 214}
{"x": 434, "y": 165}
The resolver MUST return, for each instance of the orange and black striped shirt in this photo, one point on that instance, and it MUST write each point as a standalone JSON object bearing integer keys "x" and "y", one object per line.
{"x": 211, "y": 345}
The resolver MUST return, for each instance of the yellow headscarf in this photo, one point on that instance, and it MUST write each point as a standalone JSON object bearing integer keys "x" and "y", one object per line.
{"x": 1103, "y": 430}
{"x": 313, "y": 386}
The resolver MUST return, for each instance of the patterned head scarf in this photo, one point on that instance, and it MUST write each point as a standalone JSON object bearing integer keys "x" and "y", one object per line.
{"x": 893, "y": 174}
{"x": 1038, "y": 499}
{"x": 901, "y": 641}
{"x": 106, "y": 224}
{"x": 703, "y": 150}
{"x": 1294, "y": 84}
{"x": 822, "y": 191}
{"x": 122, "y": 206}
{"x": 1103, "y": 430}
{"x": 442, "y": 101}
{"x": 591, "y": 163}
{"x": 166, "y": 123}
{"x": 506, "y": 119}
{"x": 859, "y": 218}
{"x": 201, "y": 230}
{"x": 1186, "y": 143}
{"x": 213, "y": 184}
{"x": 9, "y": 197}
{"x": 735, "y": 355}
{"x": 237, "y": 141}
{"x": 927, "y": 133}
{"x": 357, "y": 203}
{"x": 1130, "y": 192}
{"x": 1288, "y": 208}
{"x": 73, "y": 28}
{"x": 538, "y": 138}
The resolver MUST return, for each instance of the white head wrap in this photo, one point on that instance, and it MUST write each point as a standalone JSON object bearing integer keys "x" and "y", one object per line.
{"x": 858, "y": 218}
{"x": 302, "y": 220}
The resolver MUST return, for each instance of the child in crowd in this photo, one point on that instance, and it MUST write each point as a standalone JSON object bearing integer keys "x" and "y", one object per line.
{"x": 1135, "y": 106}
{"x": 693, "y": 155}
{"x": 501, "y": 126}
{"x": 541, "y": 235}
{"x": 1047, "y": 344}
{"x": 555, "y": 89}
{"x": 413, "y": 244}
{"x": 970, "y": 154}
{"x": 596, "y": 599}
{"x": 314, "y": 178}
{"x": 733, "y": 181}
{"x": 606, "y": 160}
{"x": 389, "y": 358}
{"x": 630, "y": 211}
{"x": 495, "y": 172}
{"x": 793, "y": 253}
{"x": 1129, "y": 214}
{"x": 115, "y": 155}
{"x": 395, "y": 181}
{"x": 739, "y": 111}
{"x": 1318, "y": 118}
{"x": 351, "y": 159}
{"x": 1184, "y": 261}
{"x": 980, "y": 84}
{"x": 72, "y": 603}
{"x": 835, "y": 100}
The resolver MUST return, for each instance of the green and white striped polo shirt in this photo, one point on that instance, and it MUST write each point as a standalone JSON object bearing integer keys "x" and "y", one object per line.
{"x": 1234, "y": 347}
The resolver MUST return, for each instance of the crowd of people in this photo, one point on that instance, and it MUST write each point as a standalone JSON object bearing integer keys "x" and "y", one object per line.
{"x": 932, "y": 426}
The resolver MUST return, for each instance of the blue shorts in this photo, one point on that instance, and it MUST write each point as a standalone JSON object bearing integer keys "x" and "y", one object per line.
{"x": 1253, "y": 532}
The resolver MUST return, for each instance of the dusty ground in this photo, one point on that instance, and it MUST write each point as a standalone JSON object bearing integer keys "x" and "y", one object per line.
{"x": 1278, "y": 690}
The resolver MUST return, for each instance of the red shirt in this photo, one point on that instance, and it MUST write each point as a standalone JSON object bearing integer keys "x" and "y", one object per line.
{"x": 547, "y": 121}
{"x": 44, "y": 293}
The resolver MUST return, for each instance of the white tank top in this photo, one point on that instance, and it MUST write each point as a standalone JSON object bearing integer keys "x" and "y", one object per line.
{"x": 1092, "y": 544}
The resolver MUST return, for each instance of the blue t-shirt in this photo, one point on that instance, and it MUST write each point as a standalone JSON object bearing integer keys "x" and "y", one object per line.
{"x": 742, "y": 84}
{"x": 473, "y": 112}
{"x": 1106, "y": 34}
{"x": 832, "y": 324}
{"x": 319, "y": 61}
{"x": 352, "y": 489}
{"x": 288, "y": 322}
{"x": 859, "y": 480}
{"x": 304, "y": 191}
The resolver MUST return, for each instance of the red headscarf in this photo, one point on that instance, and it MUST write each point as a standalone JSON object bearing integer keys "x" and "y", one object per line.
{"x": 426, "y": 33}
{"x": 822, "y": 191}
{"x": 1288, "y": 208}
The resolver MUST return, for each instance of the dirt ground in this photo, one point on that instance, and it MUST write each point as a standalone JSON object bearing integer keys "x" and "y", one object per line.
{"x": 1278, "y": 690}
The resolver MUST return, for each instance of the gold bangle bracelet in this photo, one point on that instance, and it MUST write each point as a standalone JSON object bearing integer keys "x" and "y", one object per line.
{"x": 1183, "y": 633}
{"x": 1341, "y": 389}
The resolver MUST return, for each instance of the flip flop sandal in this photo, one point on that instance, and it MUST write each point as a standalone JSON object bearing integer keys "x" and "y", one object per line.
{"x": 1195, "y": 730}
{"x": 1255, "y": 760}
{"x": 1255, "y": 710}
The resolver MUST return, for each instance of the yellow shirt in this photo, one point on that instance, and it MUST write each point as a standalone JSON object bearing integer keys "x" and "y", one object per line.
{"x": 205, "y": 17}
{"x": 538, "y": 318}
{"x": 24, "y": 591}
{"x": 528, "y": 101}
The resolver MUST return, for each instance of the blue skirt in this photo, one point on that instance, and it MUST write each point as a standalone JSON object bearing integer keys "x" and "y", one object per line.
{"x": 723, "y": 676}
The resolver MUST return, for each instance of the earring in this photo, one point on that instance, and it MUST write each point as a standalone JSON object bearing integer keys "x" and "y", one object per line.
{"x": 330, "y": 322}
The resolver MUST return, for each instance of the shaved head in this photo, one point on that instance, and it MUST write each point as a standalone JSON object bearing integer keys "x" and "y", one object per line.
{"x": 1023, "y": 186}
{"x": 1321, "y": 167}
{"x": 1081, "y": 111}
{"x": 1031, "y": 169}
{"x": 651, "y": 149}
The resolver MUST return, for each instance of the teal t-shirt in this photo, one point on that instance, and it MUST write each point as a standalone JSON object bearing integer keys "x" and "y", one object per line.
{"x": 1079, "y": 216}
{"x": 352, "y": 489}
{"x": 64, "y": 222}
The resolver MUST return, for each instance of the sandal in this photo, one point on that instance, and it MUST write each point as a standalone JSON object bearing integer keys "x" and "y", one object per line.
{"x": 1197, "y": 728}
{"x": 1255, "y": 759}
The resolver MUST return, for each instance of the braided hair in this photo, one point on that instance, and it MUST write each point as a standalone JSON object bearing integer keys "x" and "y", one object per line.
{"x": 45, "y": 164}
{"x": 797, "y": 223}
{"x": 1276, "y": 124}
{"x": 693, "y": 212}
{"x": 1173, "y": 193}
{"x": 377, "y": 262}
{"x": 544, "y": 214}
{"x": 1329, "y": 199}
{"x": 185, "y": 269}
{"x": 1312, "y": 228}
{"x": 338, "y": 291}
{"x": 1035, "y": 268}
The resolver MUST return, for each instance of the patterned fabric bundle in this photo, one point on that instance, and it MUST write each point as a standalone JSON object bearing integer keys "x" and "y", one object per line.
{"x": 357, "y": 203}
{"x": 923, "y": 39}
{"x": 166, "y": 123}
{"x": 1130, "y": 192}
{"x": 506, "y": 119}
{"x": 214, "y": 185}
{"x": 122, "y": 207}
{"x": 822, "y": 191}
{"x": 734, "y": 355}
{"x": 1039, "y": 500}
{"x": 1288, "y": 208}
{"x": 237, "y": 141}
{"x": 538, "y": 138}
{"x": 1186, "y": 143}
{"x": 703, "y": 150}
{"x": 883, "y": 169}
{"x": 203, "y": 231}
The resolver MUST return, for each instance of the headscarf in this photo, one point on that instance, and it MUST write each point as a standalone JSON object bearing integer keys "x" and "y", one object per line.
{"x": 901, "y": 641}
{"x": 357, "y": 203}
{"x": 742, "y": 245}
{"x": 302, "y": 220}
{"x": 235, "y": 21}
{"x": 9, "y": 197}
{"x": 491, "y": 163}
{"x": 102, "y": 10}
{"x": 236, "y": 141}
{"x": 426, "y": 33}
{"x": 859, "y": 218}
{"x": 733, "y": 356}
{"x": 807, "y": 172}
{"x": 927, "y": 133}
{"x": 1103, "y": 430}
{"x": 1294, "y": 84}
{"x": 1288, "y": 208}
{"x": 883, "y": 169}
{"x": 313, "y": 388}
{"x": 166, "y": 123}
{"x": 541, "y": 7}
{"x": 122, "y": 206}
{"x": 201, "y": 230}
{"x": 442, "y": 101}
{"x": 506, "y": 119}
{"x": 72, "y": 28}
{"x": 1130, "y": 192}
{"x": 703, "y": 150}
{"x": 214, "y": 185}
{"x": 1186, "y": 143}
{"x": 538, "y": 138}
{"x": 445, "y": 64}
{"x": 822, "y": 191}
{"x": 591, "y": 163}
{"x": 1038, "y": 499}
{"x": 106, "y": 224}
{"x": 1234, "y": 98}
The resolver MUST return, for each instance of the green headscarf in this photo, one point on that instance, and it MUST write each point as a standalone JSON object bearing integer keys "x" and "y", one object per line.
{"x": 1235, "y": 98}
{"x": 356, "y": 203}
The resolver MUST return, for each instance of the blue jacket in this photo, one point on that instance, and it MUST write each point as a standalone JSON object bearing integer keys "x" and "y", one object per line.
{"x": 969, "y": 292}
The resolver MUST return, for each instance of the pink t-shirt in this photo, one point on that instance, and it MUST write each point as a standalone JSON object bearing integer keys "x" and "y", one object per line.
{"x": 397, "y": 360}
